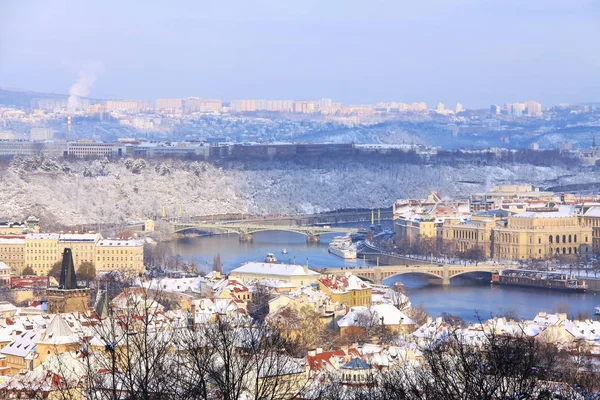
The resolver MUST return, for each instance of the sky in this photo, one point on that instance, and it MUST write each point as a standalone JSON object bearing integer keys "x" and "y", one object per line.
{"x": 476, "y": 52}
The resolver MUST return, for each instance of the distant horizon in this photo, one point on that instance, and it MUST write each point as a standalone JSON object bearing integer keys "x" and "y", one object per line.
{"x": 429, "y": 105}
{"x": 470, "y": 52}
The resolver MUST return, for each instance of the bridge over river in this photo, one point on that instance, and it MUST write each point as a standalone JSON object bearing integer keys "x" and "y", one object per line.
{"x": 246, "y": 231}
{"x": 443, "y": 272}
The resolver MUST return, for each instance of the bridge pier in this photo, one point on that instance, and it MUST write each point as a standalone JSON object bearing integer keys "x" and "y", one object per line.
{"x": 446, "y": 276}
{"x": 246, "y": 237}
{"x": 313, "y": 238}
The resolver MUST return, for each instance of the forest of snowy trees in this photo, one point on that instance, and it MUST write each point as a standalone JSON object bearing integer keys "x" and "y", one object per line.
{"x": 116, "y": 191}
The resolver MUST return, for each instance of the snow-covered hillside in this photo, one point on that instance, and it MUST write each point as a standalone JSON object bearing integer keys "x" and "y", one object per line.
{"x": 101, "y": 191}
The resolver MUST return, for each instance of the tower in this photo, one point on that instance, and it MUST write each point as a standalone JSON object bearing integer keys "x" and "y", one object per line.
{"x": 69, "y": 128}
{"x": 67, "y": 297}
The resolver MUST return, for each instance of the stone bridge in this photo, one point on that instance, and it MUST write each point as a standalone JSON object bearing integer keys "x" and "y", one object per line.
{"x": 246, "y": 231}
{"x": 439, "y": 271}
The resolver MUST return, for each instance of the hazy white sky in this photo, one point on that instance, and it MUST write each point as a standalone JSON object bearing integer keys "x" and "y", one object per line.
{"x": 476, "y": 52}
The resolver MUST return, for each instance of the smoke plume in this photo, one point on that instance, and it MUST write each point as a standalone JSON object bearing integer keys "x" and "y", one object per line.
{"x": 81, "y": 88}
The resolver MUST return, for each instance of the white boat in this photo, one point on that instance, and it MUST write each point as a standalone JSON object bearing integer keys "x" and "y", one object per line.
{"x": 342, "y": 246}
{"x": 284, "y": 251}
{"x": 597, "y": 310}
{"x": 270, "y": 258}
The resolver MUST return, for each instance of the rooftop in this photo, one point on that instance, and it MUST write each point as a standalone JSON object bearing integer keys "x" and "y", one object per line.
{"x": 274, "y": 269}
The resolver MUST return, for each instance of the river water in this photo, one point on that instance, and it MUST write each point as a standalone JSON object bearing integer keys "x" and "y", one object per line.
{"x": 463, "y": 298}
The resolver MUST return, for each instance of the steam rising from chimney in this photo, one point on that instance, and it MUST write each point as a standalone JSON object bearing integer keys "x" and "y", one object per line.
{"x": 81, "y": 88}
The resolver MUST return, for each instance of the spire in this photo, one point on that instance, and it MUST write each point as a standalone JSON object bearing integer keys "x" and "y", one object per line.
{"x": 68, "y": 280}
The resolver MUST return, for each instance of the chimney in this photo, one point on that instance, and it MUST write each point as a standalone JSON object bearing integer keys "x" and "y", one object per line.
{"x": 438, "y": 321}
{"x": 562, "y": 316}
{"x": 312, "y": 352}
{"x": 319, "y": 350}
{"x": 429, "y": 320}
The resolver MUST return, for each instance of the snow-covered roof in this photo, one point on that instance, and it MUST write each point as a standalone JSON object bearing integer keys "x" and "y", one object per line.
{"x": 593, "y": 212}
{"x": 59, "y": 332}
{"x": 562, "y": 212}
{"x": 274, "y": 269}
{"x": 119, "y": 243}
{"x": 22, "y": 345}
{"x": 78, "y": 237}
{"x": 390, "y": 314}
{"x": 343, "y": 283}
{"x": 42, "y": 236}
{"x": 12, "y": 240}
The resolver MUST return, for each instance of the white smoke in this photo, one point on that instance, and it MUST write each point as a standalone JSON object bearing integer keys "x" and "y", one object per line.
{"x": 82, "y": 87}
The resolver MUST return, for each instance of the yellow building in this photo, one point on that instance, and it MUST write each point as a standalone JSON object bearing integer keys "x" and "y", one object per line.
{"x": 475, "y": 233}
{"x": 295, "y": 275}
{"x": 82, "y": 246}
{"x": 121, "y": 255}
{"x": 541, "y": 235}
{"x": 12, "y": 249}
{"x": 591, "y": 219}
{"x": 412, "y": 229}
{"x": 348, "y": 289}
{"x": 20, "y": 352}
{"x": 41, "y": 252}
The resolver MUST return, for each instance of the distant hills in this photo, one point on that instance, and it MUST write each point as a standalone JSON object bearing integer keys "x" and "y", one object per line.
{"x": 22, "y": 98}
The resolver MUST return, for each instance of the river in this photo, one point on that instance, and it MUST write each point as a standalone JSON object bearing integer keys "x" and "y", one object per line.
{"x": 462, "y": 298}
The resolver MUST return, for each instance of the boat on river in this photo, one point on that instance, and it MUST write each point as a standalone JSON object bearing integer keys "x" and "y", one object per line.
{"x": 343, "y": 247}
{"x": 540, "y": 280}
{"x": 270, "y": 258}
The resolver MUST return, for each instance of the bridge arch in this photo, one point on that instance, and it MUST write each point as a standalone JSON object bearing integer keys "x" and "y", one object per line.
{"x": 483, "y": 270}
{"x": 423, "y": 272}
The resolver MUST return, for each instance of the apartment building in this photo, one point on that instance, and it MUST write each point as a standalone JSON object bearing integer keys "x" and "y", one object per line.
{"x": 121, "y": 255}
{"x": 12, "y": 248}
{"x": 41, "y": 252}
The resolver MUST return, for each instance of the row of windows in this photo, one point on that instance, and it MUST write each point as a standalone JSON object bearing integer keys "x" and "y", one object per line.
{"x": 16, "y": 249}
{"x": 113, "y": 259}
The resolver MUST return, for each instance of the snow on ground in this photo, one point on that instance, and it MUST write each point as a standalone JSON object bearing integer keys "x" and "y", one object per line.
{"x": 99, "y": 191}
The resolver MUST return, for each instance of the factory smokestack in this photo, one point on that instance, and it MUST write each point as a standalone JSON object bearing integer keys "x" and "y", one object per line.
{"x": 69, "y": 127}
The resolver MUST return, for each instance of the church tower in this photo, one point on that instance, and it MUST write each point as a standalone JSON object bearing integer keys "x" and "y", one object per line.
{"x": 68, "y": 297}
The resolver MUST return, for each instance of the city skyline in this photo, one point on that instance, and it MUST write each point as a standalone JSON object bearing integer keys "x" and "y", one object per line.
{"x": 467, "y": 52}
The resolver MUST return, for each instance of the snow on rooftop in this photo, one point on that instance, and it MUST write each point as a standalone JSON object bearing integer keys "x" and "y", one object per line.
{"x": 274, "y": 269}
{"x": 119, "y": 243}
{"x": 562, "y": 212}
{"x": 42, "y": 236}
{"x": 78, "y": 237}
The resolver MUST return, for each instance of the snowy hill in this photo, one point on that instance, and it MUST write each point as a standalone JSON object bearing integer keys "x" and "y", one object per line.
{"x": 77, "y": 192}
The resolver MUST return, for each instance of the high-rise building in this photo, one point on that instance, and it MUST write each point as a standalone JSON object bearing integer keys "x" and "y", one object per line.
{"x": 37, "y": 134}
{"x": 440, "y": 108}
{"x": 326, "y": 103}
{"x": 495, "y": 109}
{"x": 169, "y": 105}
{"x": 533, "y": 108}
{"x": 198, "y": 104}
{"x": 516, "y": 109}
{"x": 131, "y": 105}
{"x": 418, "y": 106}
{"x": 459, "y": 108}
{"x": 243, "y": 105}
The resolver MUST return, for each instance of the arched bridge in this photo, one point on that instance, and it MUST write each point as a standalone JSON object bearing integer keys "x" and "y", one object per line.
{"x": 246, "y": 231}
{"x": 440, "y": 271}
